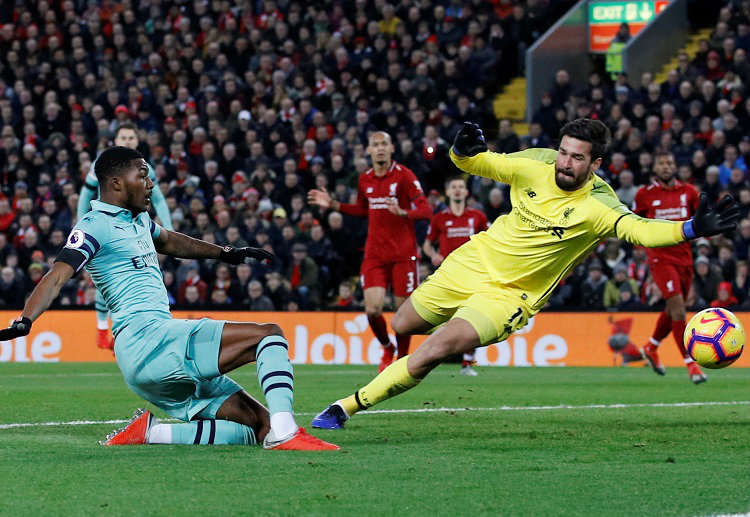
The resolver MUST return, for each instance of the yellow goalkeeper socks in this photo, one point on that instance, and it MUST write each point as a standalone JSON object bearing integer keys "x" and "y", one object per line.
{"x": 392, "y": 381}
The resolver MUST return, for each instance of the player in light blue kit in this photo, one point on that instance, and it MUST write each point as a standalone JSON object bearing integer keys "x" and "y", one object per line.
{"x": 177, "y": 365}
{"x": 126, "y": 135}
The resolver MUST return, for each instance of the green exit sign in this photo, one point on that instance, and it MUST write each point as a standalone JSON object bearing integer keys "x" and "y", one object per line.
{"x": 618, "y": 12}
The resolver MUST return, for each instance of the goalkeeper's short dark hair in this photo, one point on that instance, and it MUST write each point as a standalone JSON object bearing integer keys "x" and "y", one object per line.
{"x": 114, "y": 161}
{"x": 593, "y": 131}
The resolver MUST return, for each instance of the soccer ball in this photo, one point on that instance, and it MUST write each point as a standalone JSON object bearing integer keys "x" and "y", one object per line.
{"x": 714, "y": 338}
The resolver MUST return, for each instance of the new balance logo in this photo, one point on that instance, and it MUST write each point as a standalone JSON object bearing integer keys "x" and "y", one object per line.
{"x": 529, "y": 192}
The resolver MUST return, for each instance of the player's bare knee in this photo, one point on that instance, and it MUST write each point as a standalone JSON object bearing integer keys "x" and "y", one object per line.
{"x": 399, "y": 324}
{"x": 373, "y": 312}
{"x": 271, "y": 329}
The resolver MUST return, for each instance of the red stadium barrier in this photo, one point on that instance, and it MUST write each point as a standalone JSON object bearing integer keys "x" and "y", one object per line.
{"x": 550, "y": 339}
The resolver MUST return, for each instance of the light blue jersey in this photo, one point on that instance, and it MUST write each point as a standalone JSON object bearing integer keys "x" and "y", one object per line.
{"x": 91, "y": 189}
{"x": 118, "y": 251}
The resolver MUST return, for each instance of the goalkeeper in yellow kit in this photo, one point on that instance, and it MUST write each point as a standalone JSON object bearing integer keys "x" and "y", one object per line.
{"x": 490, "y": 287}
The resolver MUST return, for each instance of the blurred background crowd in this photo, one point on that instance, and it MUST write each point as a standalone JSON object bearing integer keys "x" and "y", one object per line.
{"x": 242, "y": 107}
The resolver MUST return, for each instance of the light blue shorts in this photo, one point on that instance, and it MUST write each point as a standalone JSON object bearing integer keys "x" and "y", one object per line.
{"x": 174, "y": 364}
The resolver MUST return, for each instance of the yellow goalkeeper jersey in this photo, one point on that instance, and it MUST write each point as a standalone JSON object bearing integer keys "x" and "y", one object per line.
{"x": 549, "y": 231}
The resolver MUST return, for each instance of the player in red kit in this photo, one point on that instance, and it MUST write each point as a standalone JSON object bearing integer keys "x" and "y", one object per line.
{"x": 671, "y": 267}
{"x": 391, "y": 197}
{"x": 451, "y": 228}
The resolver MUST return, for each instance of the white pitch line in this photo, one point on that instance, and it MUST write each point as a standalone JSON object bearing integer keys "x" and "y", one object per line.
{"x": 730, "y": 515}
{"x": 425, "y": 410}
{"x": 45, "y": 375}
{"x": 561, "y": 406}
{"x": 118, "y": 374}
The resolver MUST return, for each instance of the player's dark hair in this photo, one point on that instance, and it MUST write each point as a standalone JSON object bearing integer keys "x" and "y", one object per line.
{"x": 454, "y": 177}
{"x": 114, "y": 161}
{"x": 593, "y": 131}
{"x": 126, "y": 125}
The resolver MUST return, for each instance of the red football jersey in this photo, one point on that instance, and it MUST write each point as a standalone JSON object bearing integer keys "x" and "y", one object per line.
{"x": 390, "y": 238}
{"x": 678, "y": 203}
{"x": 454, "y": 230}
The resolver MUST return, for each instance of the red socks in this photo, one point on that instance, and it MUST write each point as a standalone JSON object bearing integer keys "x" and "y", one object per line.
{"x": 380, "y": 329}
{"x": 663, "y": 327}
{"x": 678, "y": 331}
{"x": 403, "y": 345}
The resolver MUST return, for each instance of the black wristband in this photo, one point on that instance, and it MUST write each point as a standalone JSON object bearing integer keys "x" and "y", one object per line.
{"x": 26, "y": 322}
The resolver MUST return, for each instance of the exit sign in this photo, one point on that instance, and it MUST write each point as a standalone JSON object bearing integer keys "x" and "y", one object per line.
{"x": 605, "y": 19}
{"x": 630, "y": 12}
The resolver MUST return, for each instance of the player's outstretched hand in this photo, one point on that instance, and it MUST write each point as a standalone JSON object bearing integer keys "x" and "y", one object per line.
{"x": 712, "y": 221}
{"x": 236, "y": 256}
{"x": 319, "y": 197}
{"x": 20, "y": 327}
{"x": 469, "y": 140}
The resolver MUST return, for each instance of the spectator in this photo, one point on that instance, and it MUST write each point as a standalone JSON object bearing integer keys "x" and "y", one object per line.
{"x": 742, "y": 240}
{"x": 193, "y": 279}
{"x": 592, "y": 289}
{"x": 507, "y": 139}
{"x": 303, "y": 276}
{"x": 345, "y": 299}
{"x": 278, "y": 289}
{"x": 256, "y": 300}
{"x": 725, "y": 297}
{"x": 706, "y": 282}
{"x": 740, "y": 284}
{"x": 627, "y": 190}
{"x": 628, "y": 298}
{"x": 191, "y": 298}
{"x": 11, "y": 289}
{"x": 614, "y": 287}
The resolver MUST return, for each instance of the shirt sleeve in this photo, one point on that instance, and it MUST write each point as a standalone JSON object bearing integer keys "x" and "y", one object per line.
{"x": 84, "y": 242}
{"x": 612, "y": 218}
{"x": 155, "y": 229}
{"x": 640, "y": 206}
{"x": 360, "y": 208}
{"x": 539, "y": 154}
{"x": 433, "y": 232}
{"x": 501, "y": 167}
{"x": 89, "y": 190}
{"x": 420, "y": 208}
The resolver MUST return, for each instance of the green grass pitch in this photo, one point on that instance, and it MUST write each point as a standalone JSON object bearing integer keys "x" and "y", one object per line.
{"x": 669, "y": 449}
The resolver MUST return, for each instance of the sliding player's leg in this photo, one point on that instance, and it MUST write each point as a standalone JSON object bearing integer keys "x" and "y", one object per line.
{"x": 242, "y": 343}
{"x": 184, "y": 377}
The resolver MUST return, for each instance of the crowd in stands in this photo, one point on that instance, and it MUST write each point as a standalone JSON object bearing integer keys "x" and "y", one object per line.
{"x": 242, "y": 107}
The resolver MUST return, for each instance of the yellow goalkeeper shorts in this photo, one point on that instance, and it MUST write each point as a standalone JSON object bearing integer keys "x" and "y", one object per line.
{"x": 461, "y": 288}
